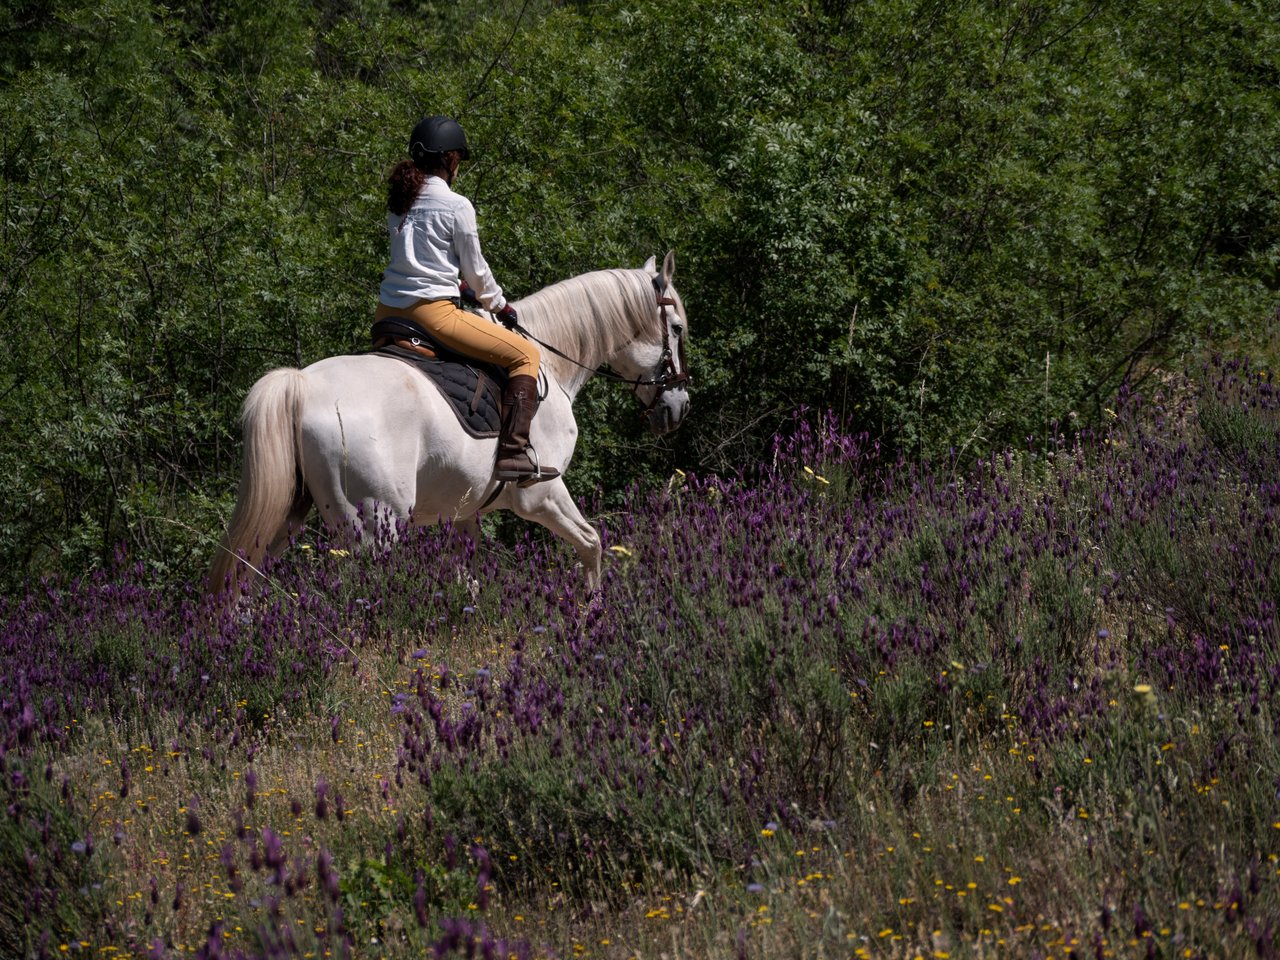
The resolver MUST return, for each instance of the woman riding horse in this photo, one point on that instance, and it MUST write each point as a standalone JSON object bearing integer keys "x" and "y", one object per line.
{"x": 434, "y": 244}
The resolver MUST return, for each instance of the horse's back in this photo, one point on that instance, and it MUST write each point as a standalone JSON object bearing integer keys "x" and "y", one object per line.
{"x": 368, "y": 394}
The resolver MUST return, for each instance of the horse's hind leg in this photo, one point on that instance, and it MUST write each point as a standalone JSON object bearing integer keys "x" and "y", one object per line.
{"x": 347, "y": 515}
{"x": 551, "y": 505}
{"x": 295, "y": 523}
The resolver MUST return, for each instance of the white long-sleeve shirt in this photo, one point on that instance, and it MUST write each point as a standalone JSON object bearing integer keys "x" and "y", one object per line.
{"x": 431, "y": 246}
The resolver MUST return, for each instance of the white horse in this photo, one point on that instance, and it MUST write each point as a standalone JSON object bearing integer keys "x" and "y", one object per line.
{"x": 365, "y": 434}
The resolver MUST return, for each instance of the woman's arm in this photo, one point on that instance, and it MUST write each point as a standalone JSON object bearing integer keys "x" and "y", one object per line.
{"x": 471, "y": 262}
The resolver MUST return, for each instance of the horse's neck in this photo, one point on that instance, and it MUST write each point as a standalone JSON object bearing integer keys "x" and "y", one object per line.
{"x": 572, "y": 320}
{"x": 581, "y": 356}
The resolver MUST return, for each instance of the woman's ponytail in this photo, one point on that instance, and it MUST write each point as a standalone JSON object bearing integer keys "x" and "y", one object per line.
{"x": 403, "y": 186}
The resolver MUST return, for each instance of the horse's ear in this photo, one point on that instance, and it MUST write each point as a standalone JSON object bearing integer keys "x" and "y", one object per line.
{"x": 668, "y": 267}
{"x": 650, "y": 265}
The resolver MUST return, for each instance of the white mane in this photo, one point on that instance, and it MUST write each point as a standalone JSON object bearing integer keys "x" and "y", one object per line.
{"x": 621, "y": 306}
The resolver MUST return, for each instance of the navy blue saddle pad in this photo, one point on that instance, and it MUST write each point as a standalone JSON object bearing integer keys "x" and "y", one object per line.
{"x": 473, "y": 388}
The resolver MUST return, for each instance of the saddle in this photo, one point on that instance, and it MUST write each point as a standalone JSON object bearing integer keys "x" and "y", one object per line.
{"x": 472, "y": 387}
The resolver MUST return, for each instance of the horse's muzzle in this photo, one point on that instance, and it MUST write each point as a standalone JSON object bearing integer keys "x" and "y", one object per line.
{"x": 668, "y": 413}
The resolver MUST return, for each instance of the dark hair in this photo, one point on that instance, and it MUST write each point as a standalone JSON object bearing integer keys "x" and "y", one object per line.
{"x": 407, "y": 177}
{"x": 403, "y": 186}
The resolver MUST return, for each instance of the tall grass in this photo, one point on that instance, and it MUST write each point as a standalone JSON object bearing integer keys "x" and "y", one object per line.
{"x": 842, "y": 706}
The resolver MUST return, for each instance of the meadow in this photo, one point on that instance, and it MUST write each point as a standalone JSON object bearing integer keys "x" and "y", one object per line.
{"x": 845, "y": 705}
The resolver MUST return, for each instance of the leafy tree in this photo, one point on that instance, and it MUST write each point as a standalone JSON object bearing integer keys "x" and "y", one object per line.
{"x": 953, "y": 224}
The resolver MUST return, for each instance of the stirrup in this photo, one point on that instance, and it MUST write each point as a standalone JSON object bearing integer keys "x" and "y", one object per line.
{"x": 537, "y": 476}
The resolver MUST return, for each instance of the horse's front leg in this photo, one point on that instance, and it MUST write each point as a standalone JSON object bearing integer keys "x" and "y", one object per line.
{"x": 459, "y": 518}
{"x": 551, "y": 505}
{"x": 464, "y": 543}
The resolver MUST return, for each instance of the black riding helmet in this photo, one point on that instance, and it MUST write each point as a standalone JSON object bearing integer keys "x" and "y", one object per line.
{"x": 437, "y": 135}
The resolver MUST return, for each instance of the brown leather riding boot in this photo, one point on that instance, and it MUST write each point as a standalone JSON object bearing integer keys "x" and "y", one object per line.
{"x": 517, "y": 460}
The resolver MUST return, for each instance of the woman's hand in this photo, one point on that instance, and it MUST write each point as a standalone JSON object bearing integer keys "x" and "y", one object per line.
{"x": 507, "y": 316}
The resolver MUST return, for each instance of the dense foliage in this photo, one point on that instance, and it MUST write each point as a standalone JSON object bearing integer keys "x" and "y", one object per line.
{"x": 954, "y": 223}
{"x": 1014, "y": 710}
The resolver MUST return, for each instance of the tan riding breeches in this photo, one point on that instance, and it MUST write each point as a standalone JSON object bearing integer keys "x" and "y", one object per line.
{"x": 469, "y": 334}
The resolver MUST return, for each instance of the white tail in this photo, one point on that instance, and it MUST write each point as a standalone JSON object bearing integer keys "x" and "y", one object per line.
{"x": 270, "y": 489}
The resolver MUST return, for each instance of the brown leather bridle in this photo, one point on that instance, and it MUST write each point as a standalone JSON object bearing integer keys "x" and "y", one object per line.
{"x": 668, "y": 377}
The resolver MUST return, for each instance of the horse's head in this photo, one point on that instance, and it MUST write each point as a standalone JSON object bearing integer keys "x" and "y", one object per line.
{"x": 631, "y": 322}
{"x": 660, "y": 363}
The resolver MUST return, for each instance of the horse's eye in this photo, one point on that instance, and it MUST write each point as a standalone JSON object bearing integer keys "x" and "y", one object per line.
{"x": 677, "y": 329}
